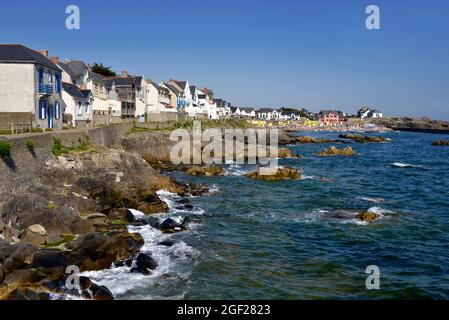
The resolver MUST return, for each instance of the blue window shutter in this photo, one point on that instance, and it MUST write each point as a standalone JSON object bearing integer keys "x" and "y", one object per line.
{"x": 44, "y": 109}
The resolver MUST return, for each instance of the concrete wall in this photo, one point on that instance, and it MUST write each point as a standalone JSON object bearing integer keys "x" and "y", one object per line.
{"x": 17, "y": 87}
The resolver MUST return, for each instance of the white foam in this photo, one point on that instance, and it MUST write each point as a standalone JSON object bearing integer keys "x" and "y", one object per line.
{"x": 405, "y": 165}
{"x": 375, "y": 200}
{"x": 122, "y": 282}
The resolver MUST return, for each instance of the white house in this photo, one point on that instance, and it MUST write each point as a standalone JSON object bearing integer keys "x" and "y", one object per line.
{"x": 30, "y": 88}
{"x": 206, "y": 103}
{"x": 247, "y": 112}
{"x": 77, "y": 105}
{"x": 366, "y": 112}
{"x": 265, "y": 113}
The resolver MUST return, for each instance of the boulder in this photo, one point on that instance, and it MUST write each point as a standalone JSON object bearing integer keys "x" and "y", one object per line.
{"x": 166, "y": 243}
{"x": 169, "y": 225}
{"x": 99, "y": 251}
{"x": 34, "y": 234}
{"x": 143, "y": 271}
{"x": 146, "y": 261}
{"x": 441, "y": 143}
{"x": 50, "y": 258}
{"x": 150, "y": 203}
{"x": 362, "y": 139}
{"x": 281, "y": 174}
{"x": 285, "y": 153}
{"x": 367, "y": 216}
{"x": 208, "y": 171}
{"x": 101, "y": 292}
{"x": 27, "y": 294}
{"x": 16, "y": 256}
{"x": 333, "y": 151}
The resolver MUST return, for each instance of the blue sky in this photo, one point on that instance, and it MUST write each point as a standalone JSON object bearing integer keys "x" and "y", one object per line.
{"x": 314, "y": 54}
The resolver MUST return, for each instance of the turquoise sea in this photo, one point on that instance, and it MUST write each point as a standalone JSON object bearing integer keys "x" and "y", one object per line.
{"x": 299, "y": 239}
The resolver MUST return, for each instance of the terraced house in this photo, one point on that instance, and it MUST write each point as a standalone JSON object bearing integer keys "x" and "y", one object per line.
{"x": 30, "y": 88}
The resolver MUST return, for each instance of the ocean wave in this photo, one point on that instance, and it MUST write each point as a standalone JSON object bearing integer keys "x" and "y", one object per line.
{"x": 235, "y": 170}
{"x": 175, "y": 263}
{"x": 375, "y": 200}
{"x": 404, "y": 165}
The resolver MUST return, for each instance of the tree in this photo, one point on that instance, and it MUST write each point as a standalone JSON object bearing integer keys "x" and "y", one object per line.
{"x": 104, "y": 71}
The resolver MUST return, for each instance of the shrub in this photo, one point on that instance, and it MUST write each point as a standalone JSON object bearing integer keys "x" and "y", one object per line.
{"x": 30, "y": 144}
{"x": 65, "y": 128}
{"x": 5, "y": 149}
{"x": 36, "y": 130}
{"x": 59, "y": 149}
{"x": 49, "y": 129}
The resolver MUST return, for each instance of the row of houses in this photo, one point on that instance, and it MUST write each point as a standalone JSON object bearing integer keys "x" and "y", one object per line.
{"x": 48, "y": 93}
{"x": 44, "y": 92}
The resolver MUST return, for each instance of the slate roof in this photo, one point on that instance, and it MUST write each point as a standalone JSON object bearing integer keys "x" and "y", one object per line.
{"x": 173, "y": 88}
{"x": 247, "y": 110}
{"x": 265, "y": 110}
{"x": 74, "y": 91}
{"x": 16, "y": 53}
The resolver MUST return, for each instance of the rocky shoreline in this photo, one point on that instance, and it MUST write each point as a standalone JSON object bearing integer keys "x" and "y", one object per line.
{"x": 425, "y": 125}
{"x": 77, "y": 213}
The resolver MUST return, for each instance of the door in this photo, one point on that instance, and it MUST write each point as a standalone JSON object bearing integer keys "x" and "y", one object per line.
{"x": 50, "y": 113}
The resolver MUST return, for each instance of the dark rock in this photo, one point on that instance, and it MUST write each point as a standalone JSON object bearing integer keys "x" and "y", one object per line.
{"x": 129, "y": 216}
{"x": 16, "y": 256}
{"x": 280, "y": 174}
{"x": 167, "y": 243}
{"x": 50, "y": 258}
{"x": 143, "y": 271}
{"x": 28, "y": 294}
{"x": 146, "y": 261}
{"x": 362, "y": 139}
{"x": 2, "y": 273}
{"x": 101, "y": 292}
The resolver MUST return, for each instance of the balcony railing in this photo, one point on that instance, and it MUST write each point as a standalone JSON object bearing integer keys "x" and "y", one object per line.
{"x": 46, "y": 88}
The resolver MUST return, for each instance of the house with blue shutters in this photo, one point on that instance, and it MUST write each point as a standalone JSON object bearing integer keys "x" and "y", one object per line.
{"x": 30, "y": 88}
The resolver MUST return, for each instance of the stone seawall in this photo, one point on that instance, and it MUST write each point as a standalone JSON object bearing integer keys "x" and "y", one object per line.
{"x": 25, "y": 166}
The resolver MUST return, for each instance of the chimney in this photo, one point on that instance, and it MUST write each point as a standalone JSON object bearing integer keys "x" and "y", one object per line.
{"x": 124, "y": 74}
{"x": 55, "y": 60}
{"x": 43, "y": 52}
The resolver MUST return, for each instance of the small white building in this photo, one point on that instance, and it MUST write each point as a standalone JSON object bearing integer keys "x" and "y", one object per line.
{"x": 78, "y": 110}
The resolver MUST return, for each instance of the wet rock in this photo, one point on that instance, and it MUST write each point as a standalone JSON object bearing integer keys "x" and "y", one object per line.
{"x": 129, "y": 216}
{"x": 367, "y": 216}
{"x": 34, "y": 234}
{"x": 440, "y": 143}
{"x": 280, "y": 174}
{"x": 170, "y": 226}
{"x": 50, "y": 258}
{"x": 286, "y": 153}
{"x": 151, "y": 203}
{"x": 305, "y": 140}
{"x": 197, "y": 190}
{"x": 99, "y": 251}
{"x": 28, "y": 294}
{"x": 146, "y": 261}
{"x": 167, "y": 243}
{"x": 362, "y": 139}
{"x": 207, "y": 171}
{"x": 101, "y": 292}
{"x": 333, "y": 151}
{"x": 143, "y": 271}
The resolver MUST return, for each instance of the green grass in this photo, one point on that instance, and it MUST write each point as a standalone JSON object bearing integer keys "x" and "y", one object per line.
{"x": 30, "y": 144}
{"x": 49, "y": 130}
{"x": 5, "y": 149}
{"x": 37, "y": 130}
{"x": 64, "y": 239}
{"x": 79, "y": 146}
{"x": 188, "y": 125}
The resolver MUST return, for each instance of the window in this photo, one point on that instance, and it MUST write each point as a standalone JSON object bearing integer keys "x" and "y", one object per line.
{"x": 80, "y": 110}
{"x": 42, "y": 109}
{"x": 41, "y": 76}
{"x": 87, "y": 107}
{"x": 57, "y": 110}
{"x": 58, "y": 83}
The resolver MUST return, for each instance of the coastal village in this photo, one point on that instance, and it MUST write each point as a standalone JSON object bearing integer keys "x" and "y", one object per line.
{"x": 41, "y": 92}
